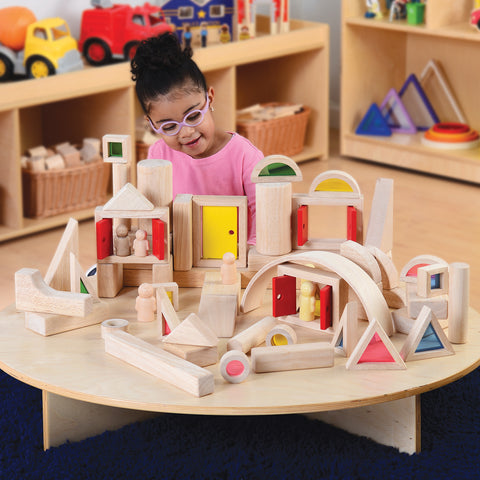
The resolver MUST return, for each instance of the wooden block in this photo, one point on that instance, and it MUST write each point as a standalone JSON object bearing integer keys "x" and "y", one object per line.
{"x": 403, "y": 323}
{"x": 201, "y": 356}
{"x": 78, "y": 278}
{"x": 256, "y": 261}
{"x": 292, "y": 357}
{"x": 163, "y": 365}
{"x": 34, "y": 295}
{"x": 334, "y": 183}
{"x": 117, "y": 149}
{"x": 219, "y": 312}
{"x": 154, "y": 181}
{"x": 438, "y": 305}
{"x": 219, "y": 231}
{"x": 284, "y": 296}
{"x": 281, "y": 335}
{"x": 172, "y": 288}
{"x": 90, "y": 151}
{"x": 387, "y": 268}
{"x": 251, "y": 336}
{"x": 162, "y": 273}
{"x": 128, "y": 198}
{"x": 70, "y": 154}
{"x": 395, "y": 297}
{"x": 363, "y": 258}
{"x": 432, "y": 280}
{"x": 165, "y": 307}
{"x": 375, "y": 351}
{"x": 36, "y": 164}
{"x": 346, "y": 335}
{"x": 182, "y": 232}
{"x": 50, "y": 324}
{"x": 213, "y": 285}
{"x": 109, "y": 279}
{"x": 55, "y": 162}
{"x": 380, "y": 223}
{"x": 273, "y": 218}
{"x": 234, "y": 366}
{"x": 408, "y": 274}
{"x": 459, "y": 302}
{"x": 426, "y": 339}
{"x": 258, "y": 175}
{"x": 58, "y": 272}
{"x": 39, "y": 151}
{"x": 193, "y": 331}
{"x": 113, "y": 324}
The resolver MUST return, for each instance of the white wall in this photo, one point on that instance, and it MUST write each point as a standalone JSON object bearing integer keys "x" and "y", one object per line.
{"x": 325, "y": 11}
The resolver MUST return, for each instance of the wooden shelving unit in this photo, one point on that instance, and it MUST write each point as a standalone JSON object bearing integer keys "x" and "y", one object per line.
{"x": 378, "y": 55}
{"x": 289, "y": 67}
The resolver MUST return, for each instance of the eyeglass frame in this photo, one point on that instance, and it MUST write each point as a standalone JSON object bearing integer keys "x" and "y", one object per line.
{"x": 183, "y": 123}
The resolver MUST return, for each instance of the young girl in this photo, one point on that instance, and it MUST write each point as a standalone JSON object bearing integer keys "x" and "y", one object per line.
{"x": 178, "y": 105}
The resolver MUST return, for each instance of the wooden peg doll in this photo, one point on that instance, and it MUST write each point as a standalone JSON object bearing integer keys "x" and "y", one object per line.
{"x": 145, "y": 303}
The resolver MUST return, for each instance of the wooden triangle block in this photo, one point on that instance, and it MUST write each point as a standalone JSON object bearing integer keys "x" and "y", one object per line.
{"x": 417, "y": 104}
{"x": 193, "y": 331}
{"x": 346, "y": 334}
{"x": 374, "y": 123}
{"x": 128, "y": 198}
{"x": 435, "y": 83}
{"x": 78, "y": 278}
{"x": 395, "y": 113}
{"x": 375, "y": 351}
{"x": 58, "y": 273}
{"x": 426, "y": 338}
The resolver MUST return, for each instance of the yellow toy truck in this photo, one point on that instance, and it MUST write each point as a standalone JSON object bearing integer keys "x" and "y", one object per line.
{"x": 35, "y": 48}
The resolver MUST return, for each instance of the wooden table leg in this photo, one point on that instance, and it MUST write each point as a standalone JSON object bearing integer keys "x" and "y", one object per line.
{"x": 74, "y": 420}
{"x": 396, "y": 424}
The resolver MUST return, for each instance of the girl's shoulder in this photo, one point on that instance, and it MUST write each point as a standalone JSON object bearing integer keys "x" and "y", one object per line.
{"x": 241, "y": 143}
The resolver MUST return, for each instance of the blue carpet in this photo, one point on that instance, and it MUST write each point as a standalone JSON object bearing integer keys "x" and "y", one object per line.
{"x": 264, "y": 447}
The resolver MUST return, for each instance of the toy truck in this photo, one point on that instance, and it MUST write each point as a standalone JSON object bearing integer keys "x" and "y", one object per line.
{"x": 111, "y": 31}
{"x": 35, "y": 48}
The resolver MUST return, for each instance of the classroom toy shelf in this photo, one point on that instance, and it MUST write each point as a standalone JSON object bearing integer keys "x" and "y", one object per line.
{"x": 288, "y": 67}
{"x": 378, "y": 55}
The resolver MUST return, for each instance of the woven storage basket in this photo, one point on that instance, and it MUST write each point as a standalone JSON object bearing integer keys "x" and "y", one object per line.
{"x": 284, "y": 135}
{"x": 52, "y": 192}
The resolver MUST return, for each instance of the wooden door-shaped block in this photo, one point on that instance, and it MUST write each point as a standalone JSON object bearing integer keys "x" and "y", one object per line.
{"x": 158, "y": 238}
{"x": 219, "y": 231}
{"x": 104, "y": 238}
{"x": 325, "y": 307}
{"x": 284, "y": 296}
{"x": 302, "y": 225}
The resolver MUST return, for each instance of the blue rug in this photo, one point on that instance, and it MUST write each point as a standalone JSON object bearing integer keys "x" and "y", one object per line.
{"x": 263, "y": 447}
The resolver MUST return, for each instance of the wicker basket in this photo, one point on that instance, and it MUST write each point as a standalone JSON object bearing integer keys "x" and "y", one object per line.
{"x": 284, "y": 135}
{"x": 52, "y": 192}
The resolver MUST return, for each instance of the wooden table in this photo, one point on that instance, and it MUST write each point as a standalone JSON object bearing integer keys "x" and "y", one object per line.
{"x": 86, "y": 391}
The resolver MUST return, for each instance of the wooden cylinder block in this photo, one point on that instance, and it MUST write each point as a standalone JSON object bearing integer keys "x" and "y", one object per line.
{"x": 154, "y": 181}
{"x": 234, "y": 366}
{"x": 274, "y": 210}
{"x": 113, "y": 324}
{"x": 281, "y": 335}
{"x": 252, "y": 336}
{"x": 459, "y": 293}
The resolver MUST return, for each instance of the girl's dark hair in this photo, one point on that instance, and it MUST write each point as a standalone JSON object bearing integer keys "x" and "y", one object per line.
{"x": 161, "y": 64}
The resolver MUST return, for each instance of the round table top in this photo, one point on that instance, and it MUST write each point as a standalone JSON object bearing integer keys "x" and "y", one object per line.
{"x": 74, "y": 364}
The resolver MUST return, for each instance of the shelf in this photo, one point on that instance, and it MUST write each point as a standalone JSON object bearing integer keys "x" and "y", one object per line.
{"x": 378, "y": 55}
{"x": 288, "y": 67}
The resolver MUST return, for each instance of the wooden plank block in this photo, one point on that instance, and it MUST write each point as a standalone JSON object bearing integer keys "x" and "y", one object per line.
{"x": 292, "y": 357}
{"x": 34, "y": 295}
{"x": 155, "y": 361}
{"x": 201, "y": 356}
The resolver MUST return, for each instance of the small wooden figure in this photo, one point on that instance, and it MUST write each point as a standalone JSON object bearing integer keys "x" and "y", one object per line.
{"x": 228, "y": 270}
{"x": 122, "y": 242}
{"x": 307, "y": 301}
{"x": 145, "y": 303}
{"x": 140, "y": 244}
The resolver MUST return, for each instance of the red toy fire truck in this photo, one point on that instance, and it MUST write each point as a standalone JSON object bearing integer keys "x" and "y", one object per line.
{"x": 111, "y": 31}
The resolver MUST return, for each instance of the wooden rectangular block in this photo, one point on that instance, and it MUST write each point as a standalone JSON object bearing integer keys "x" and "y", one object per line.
{"x": 182, "y": 232}
{"x": 155, "y": 361}
{"x": 438, "y": 305}
{"x": 49, "y": 324}
{"x": 109, "y": 279}
{"x": 199, "y": 355}
{"x": 292, "y": 357}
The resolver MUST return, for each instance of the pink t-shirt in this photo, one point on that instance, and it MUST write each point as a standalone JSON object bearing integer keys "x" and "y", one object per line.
{"x": 227, "y": 172}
